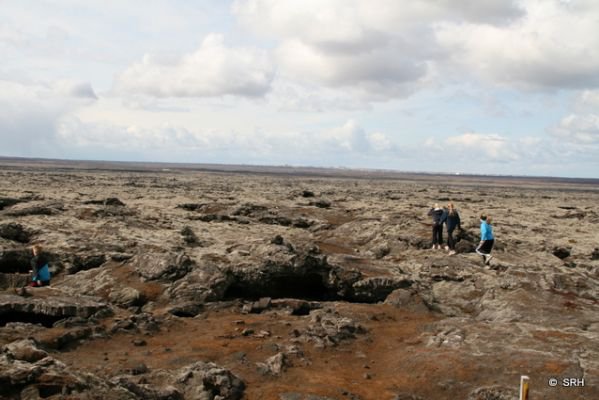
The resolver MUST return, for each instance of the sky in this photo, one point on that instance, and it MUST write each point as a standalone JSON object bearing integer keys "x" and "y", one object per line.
{"x": 455, "y": 86}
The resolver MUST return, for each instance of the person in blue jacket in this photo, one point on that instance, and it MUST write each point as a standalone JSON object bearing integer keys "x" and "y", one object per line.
{"x": 486, "y": 239}
{"x": 39, "y": 267}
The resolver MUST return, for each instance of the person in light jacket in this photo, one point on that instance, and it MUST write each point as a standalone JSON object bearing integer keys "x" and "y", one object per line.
{"x": 486, "y": 239}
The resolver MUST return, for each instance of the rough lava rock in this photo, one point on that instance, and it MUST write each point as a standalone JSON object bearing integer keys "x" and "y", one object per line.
{"x": 169, "y": 266}
{"x": 15, "y": 232}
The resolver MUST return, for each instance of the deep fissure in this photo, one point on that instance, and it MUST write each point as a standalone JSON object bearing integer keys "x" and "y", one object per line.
{"x": 15, "y": 261}
{"x": 306, "y": 287}
{"x": 30, "y": 318}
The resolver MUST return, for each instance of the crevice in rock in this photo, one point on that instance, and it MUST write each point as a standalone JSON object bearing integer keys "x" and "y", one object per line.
{"x": 308, "y": 286}
{"x": 303, "y": 309}
{"x": 15, "y": 261}
{"x": 29, "y": 318}
{"x": 48, "y": 390}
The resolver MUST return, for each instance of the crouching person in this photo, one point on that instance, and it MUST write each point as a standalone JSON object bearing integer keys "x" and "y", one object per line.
{"x": 39, "y": 267}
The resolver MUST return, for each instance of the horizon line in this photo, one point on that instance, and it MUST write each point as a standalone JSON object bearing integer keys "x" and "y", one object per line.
{"x": 211, "y": 166}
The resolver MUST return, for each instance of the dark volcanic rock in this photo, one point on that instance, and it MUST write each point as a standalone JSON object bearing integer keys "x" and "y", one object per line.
{"x": 274, "y": 365}
{"x": 14, "y": 280}
{"x": 465, "y": 246}
{"x": 381, "y": 251}
{"x": 36, "y": 210}
{"x": 296, "y": 306}
{"x": 321, "y": 203}
{"x": 189, "y": 237}
{"x": 153, "y": 266}
{"x": 302, "y": 223}
{"x": 275, "y": 220}
{"x": 113, "y": 211}
{"x": 25, "y": 350}
{"x": 406, "y": 299}
{"x": 278, "y": 240}
{"x": 406, "y": 396}
{"x": 493, "y": 393}
{"x": 208, "y": 379}
{"x": 371, "y": 290}
{"x": 139, "y": 323}
{"x": 127, "y": 297}
{"x": 110, "y": 201}
{"x": 416, "y": 241}
{"x": 201, "y": 380}
{"x": 85, "y": 263}
{"x": 249, "y": 210}
{"x": 15, "y": 232}
{"x": 187, "y": 310}
{"x": 261, "y": 305}
{"x": 302, "y": 396}
{"x": 213, "y": 217}
{"x": 307, "y": 193}
{"x": 50, "y": 377}
{"x": 145, "y": 391}
{"x": 192, "y": 206}
{"x": 595, "y": 254}
{"x": 327, "y": 329}
{"x": 46, "y": 310}
{"x": 7, "y": 202}
{"x": 562, "y": 252}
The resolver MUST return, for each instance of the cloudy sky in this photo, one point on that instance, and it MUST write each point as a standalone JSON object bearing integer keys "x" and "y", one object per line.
{"x": 494, "y": 86}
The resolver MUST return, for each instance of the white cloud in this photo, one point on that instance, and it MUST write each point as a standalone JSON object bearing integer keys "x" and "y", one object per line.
{"x": 212, "y": 70}
{"x": 340, "y": 44}
{"x": 29, "y": 114}
{"x": 579, "y": 129}
{"x": 349, "y": 137}
{"x": 75, "y": 89}
{"x": 492, "y": 146}
{"x": 380, "y": 142}
{"x": 587, "y": 101}
{"x": 320, "y": 147}
{"x": 555, "y": 46}
{"x": 291, "y": 96}
{"x": 382, "y": 50}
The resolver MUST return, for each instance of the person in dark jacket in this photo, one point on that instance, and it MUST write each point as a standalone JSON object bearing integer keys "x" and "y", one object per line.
{"x": 39, "y": 267}
{"x": 486, "y": 239}
{"x": 452, "y": 221}
{"x": 438, "y": 214}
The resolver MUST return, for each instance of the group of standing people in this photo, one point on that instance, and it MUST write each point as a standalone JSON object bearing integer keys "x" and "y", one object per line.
{"x": 450, "y": 218}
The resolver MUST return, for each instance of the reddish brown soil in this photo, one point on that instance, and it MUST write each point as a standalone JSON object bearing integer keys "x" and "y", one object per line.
{"x": 391, "y": 358}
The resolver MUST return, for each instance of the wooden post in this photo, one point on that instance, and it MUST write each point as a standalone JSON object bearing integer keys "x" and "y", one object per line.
{"x": 524, "y": 387}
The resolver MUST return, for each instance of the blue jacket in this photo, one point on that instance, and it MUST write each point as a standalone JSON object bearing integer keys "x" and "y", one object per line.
{"x": 43, "y": 274}
{"x": 486, "y": 231}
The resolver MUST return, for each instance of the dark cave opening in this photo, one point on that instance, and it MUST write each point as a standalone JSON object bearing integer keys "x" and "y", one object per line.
{"x": 29, "y": 318}
{"x": 15, "y": 261}
{"x": 305, "y": 286}
{"x": 48, "y": 390}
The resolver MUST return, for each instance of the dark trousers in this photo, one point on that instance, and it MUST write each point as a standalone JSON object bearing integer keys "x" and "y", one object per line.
{"x": 485, "y": 247}
{"x": 437, "y": 234}
{"x": 450, "y": 240}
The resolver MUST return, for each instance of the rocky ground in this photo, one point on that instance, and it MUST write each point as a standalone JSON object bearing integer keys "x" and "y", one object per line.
{"x": 206, "y": 285}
